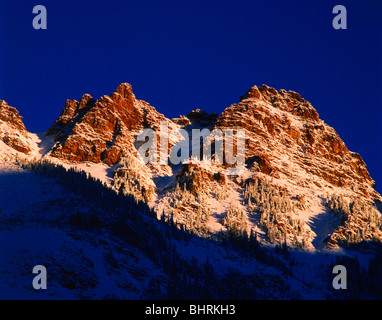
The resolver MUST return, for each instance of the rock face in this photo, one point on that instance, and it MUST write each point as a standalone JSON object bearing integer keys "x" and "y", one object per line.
{"x": 102, "y": 130}
{"x": 194, "y": 178}
{"x": 285, "y": 136}
{"x": 12, "y": 130}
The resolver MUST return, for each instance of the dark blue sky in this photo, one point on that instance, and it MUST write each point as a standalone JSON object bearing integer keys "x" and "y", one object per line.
{"x": 198, "y": 54}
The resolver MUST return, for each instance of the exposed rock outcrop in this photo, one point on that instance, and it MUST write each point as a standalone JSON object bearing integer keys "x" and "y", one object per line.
{"x": 285, "y": 135}
{"x": 102, "y": 130}
{"x": 12, "y": 130}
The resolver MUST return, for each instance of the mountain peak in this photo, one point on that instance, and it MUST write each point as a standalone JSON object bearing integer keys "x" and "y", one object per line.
{"x": 11, "y": 115}
{"x": 125, "y": 90}
{"x": 12, "y": 129}
{"x": 101, "y": 130}
{"x": 286, "y": 130}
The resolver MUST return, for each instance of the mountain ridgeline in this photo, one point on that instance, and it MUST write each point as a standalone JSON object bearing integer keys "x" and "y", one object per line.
{"x": 79, "y": 200}
{"x": 298, "y": 172}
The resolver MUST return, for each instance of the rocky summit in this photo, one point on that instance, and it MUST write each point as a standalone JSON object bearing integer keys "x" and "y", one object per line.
{"x": 286, "y": 137}
{"x": 101, "y": 130}
{"x": 12, "y": 130}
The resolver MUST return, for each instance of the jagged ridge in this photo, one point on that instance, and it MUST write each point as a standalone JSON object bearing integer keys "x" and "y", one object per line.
{"x": 287, "y": 146}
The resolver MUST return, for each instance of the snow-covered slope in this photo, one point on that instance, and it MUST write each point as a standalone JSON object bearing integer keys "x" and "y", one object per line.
{"x": 44, "y": 222}
{"x": 81, "y": 263}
